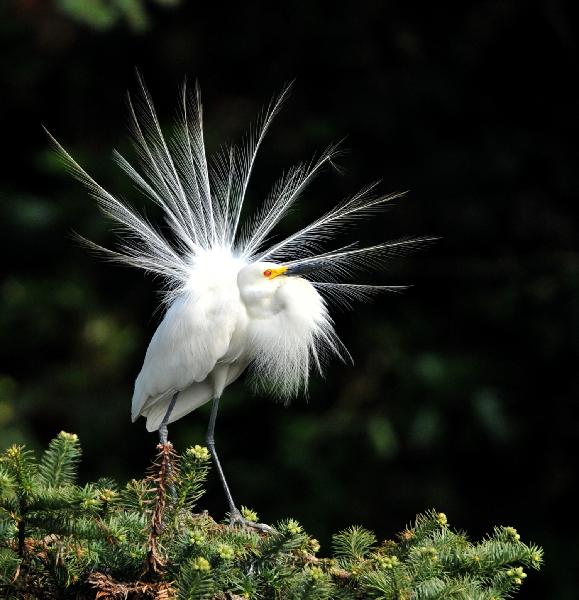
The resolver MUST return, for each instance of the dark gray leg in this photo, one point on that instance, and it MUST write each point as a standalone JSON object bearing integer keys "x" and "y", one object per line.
{"x": 163, "y": 431}
{"x": 234, "y": 514}
{"x": 210, "y": 441}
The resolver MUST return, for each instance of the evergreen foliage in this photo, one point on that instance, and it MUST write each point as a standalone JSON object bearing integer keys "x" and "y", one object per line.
{"x": 103, "y": 15}
{"x": 62, "y": 540}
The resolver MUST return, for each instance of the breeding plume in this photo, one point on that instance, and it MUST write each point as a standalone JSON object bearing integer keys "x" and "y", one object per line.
{"x": 238, "y": 297}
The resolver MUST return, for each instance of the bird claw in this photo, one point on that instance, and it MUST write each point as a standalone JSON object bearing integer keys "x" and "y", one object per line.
{"x": 236, "y": 519}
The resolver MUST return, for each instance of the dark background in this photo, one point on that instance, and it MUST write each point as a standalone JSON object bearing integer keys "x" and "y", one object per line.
{"x": 463, "y": 396}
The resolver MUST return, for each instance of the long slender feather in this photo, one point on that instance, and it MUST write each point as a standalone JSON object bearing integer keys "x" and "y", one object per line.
{"x": 152, "y": 142}
{"x": 246, "y": 158}
{"x": 187, "y": 236}
{"x": 337, "y": 265}
{"x": 359, "y": 205}
{"x": 142, "y": 238}
{"x": 198, "y": 140}
{"x": 286, "y": 191}
{"x": 345, "y": 294}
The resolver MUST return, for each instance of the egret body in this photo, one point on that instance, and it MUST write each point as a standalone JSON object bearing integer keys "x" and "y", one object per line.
{"x": 234, "y": 301}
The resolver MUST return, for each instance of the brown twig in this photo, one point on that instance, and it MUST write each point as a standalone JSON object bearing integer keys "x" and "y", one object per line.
{"x": 108, "y": 589}
{"x": 163, "y": 474}
{"x": 21, "y": 537}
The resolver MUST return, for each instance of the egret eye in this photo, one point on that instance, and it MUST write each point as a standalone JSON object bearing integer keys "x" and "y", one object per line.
{"x": 267, "y": 273}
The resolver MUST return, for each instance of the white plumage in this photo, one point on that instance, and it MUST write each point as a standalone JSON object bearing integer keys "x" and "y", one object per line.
{"x": 224, "y": 313}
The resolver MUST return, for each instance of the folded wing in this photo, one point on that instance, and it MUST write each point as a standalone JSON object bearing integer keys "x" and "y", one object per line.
{"x": 193, "y": 336}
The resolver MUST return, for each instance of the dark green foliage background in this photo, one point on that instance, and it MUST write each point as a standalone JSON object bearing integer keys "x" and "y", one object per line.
{"x": 463, "y": 395}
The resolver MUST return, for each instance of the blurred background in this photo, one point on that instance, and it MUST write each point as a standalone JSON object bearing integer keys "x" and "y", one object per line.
{"x": 464, "y": 392}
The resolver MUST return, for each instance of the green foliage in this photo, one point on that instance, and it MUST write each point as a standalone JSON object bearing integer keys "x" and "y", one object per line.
{"x": 353, "y": 544}
{"x": 58, "y": 465}
{"x": 105, "y": 14}
{"x": 62, "y": 540}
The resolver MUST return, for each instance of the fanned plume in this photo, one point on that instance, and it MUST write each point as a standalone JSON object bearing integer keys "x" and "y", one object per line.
{"x": 202, "y": 200}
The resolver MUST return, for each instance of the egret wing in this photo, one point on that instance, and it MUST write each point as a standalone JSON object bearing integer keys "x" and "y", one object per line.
{"x": 194, "y": 334}
{"x": 191, "y": 398}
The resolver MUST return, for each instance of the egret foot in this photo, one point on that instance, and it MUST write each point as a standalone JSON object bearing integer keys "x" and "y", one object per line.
{"x": 163, "y": 434}
{"x": 237, "y": 519}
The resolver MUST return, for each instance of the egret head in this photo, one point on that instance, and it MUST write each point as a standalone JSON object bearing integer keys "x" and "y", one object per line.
{"x": 261, "y": 274}
{"x": 260, "y": 286}
{"x": 271, "y": 275}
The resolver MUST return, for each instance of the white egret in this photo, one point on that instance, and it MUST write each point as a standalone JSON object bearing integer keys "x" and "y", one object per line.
{"x": 235, "y": 299}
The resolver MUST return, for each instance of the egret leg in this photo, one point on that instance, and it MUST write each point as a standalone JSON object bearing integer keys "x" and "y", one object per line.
{"x": 210, "y": 440}
{"x": 164, "y": 433}
{"x": 163, "y": 430}
{"x": 234, "y": 514}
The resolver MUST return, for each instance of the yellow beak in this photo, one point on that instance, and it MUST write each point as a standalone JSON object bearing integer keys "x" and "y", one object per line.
{"x": 276, "y": 272}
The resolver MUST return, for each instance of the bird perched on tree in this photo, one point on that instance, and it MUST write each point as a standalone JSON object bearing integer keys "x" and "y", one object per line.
{"x": 235, "y": 299}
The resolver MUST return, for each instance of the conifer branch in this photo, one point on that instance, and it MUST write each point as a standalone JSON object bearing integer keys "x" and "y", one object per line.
{"x": 145, "y": 541}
